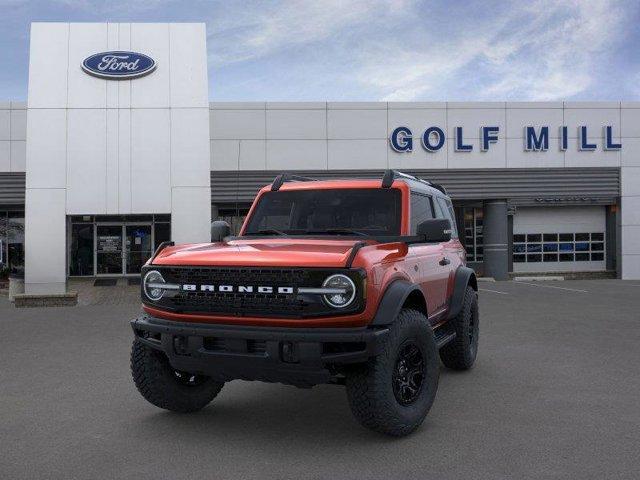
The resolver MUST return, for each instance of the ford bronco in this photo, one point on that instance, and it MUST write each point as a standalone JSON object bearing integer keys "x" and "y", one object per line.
{"x": 360, "y": 283}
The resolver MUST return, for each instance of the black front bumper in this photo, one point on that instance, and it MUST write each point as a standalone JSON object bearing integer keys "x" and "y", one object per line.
{"x": 298, "y": 356}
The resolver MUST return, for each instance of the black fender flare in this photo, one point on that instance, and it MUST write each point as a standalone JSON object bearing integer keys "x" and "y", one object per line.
{"x": 392, "y": 301}
{"x": 464, "y": 277}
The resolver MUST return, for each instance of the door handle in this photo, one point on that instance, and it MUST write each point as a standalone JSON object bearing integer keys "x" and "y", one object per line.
{"x": 444, "y": 261}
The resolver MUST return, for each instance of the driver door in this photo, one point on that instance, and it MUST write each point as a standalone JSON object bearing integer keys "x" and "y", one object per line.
{"x": 431, "y": 274}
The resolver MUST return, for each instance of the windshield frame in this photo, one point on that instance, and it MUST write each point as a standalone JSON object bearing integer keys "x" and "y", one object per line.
{"x": 403, "y": 223}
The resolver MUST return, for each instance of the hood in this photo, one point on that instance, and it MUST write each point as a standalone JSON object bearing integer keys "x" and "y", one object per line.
{"x": 272, "y": 252}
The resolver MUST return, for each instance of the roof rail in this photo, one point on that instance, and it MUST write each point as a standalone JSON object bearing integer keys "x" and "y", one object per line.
{"x": 437, "y": 186}
{"x": 287, "y": 177}
{"x": 390, "y": 175}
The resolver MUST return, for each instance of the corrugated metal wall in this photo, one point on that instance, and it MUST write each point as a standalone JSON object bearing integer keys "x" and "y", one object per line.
{"x": 12, "y": 189}
{"x": 520, "y": 186}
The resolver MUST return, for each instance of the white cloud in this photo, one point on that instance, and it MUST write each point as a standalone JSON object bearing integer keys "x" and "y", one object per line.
{"x": 562, "y": 57}
{"x": 248, "y": 33}
{"x": 401, "y": 49}
{"x": 546, "y": 51}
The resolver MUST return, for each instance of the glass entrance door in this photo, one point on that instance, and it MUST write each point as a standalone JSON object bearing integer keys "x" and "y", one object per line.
{"x": 138, "y": 247}
{"x": 122, "y": 249}
{"x": 109, "y": 259}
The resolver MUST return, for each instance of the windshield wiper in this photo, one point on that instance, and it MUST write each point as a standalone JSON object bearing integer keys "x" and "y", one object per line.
{"x": 270, "y": 231}
{"x": 337, "y": 231}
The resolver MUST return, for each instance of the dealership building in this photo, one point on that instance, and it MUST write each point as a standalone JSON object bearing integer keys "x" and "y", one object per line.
{"x": 117, "y": 148}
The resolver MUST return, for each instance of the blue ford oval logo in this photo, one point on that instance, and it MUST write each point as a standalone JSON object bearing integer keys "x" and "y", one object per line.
{"x": 118, "y": 65}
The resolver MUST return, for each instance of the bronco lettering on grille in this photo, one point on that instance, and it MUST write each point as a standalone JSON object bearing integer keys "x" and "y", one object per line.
{"x": 190, "y": 287}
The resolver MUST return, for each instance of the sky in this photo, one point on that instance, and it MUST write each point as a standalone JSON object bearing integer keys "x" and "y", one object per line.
{"x": 377, "y": 50}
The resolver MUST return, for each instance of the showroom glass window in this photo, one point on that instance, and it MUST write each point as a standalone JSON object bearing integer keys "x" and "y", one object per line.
{"x": 234, "y": 215}
{"x": 114, "y": 244}
{"x": 473, "y": 233}
{"x": 12, "y": 239}
{"x": 4, "y": 265}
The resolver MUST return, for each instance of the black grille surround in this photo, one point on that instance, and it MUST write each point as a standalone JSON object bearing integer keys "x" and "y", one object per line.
{"x": 243, "y": 304}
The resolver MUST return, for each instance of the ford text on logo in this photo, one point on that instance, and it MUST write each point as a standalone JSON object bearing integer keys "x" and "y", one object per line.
{"x": 118, "y": 65}
{"x": 535, "y": 139}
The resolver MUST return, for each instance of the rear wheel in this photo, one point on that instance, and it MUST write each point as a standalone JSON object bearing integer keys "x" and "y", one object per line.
{"x": 393, "y": 392}
{"x": 460, "y": 354}
{"x": 168, "y": 388}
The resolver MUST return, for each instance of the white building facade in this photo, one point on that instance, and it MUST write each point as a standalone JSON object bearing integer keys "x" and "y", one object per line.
{"x": 95, "y": 171}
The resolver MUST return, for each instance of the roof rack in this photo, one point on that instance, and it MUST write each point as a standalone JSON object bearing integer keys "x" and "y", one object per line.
{"x": 390, "y": 175}
{"x": 287, "y": 177}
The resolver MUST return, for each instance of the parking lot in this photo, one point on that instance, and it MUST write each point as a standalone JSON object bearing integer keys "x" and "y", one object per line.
{"x": 555, "y": 393}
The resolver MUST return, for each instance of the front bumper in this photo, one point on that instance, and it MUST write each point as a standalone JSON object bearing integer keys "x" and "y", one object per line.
{"x": 296, "y": 356}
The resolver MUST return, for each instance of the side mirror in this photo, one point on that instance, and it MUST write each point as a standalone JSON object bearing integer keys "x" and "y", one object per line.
{"x": 435, "y": 230}
{"x": 219, "y": 230}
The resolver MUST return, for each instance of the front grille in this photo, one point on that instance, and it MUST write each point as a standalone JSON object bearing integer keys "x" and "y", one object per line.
{"x": 237, "y": 276}
{"x": 234, "y": 302}
{"x": 254, "y": 304}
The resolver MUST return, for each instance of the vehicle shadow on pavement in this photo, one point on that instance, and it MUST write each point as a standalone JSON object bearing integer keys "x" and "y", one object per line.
{"x": 272, "y": 411}
{"x": 257, "y": 412}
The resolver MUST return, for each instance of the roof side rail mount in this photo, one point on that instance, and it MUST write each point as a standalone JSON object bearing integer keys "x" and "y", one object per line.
{"x": 390, "y": 175}
{"x": 287, "y": 177}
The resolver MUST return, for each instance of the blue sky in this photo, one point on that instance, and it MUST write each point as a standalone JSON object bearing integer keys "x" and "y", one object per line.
{"x": 361, "y": 50}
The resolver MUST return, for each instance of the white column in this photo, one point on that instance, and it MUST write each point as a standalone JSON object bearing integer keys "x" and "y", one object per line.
{"x": 630, "y": 191}
{"x": 190, "y": 156}
{"x": 630, "y": 229}
{"x": 45, "y": 241}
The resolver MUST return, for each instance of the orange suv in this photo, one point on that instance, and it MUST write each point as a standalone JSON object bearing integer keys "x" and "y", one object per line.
{"x": 352, "y": 282}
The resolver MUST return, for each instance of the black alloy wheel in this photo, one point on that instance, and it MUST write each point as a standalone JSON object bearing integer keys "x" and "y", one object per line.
{"x": 408, "y": 374}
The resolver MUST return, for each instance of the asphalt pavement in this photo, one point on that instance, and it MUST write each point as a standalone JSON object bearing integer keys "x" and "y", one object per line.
{"x": 555, "y": 394}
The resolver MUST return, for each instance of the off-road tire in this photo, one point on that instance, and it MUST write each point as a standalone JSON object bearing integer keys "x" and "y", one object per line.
{"x": 159, "y": 384}
{"x": 370, "y": 388}
{"x": 460, "y": 354}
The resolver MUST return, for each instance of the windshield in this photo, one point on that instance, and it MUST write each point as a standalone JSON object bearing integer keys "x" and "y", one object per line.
{"x": 361, "y": 211}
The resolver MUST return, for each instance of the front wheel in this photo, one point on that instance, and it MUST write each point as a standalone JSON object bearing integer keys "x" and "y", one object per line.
{"x": 165, "y": 387}
{"x": 393, "y": 392}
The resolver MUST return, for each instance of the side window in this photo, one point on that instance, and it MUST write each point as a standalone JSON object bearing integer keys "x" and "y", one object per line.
{"x": 447, "y": 212}
{"x": 421, "y": 210}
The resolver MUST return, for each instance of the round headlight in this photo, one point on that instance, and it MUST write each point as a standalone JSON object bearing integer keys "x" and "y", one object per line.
{"x": 344, "y": 291}
{"x": 152, "y": 289}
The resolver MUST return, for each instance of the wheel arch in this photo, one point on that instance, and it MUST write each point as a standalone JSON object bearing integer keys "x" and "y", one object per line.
{"x": 464, "y": 277}
{"x": 398, "y": 295}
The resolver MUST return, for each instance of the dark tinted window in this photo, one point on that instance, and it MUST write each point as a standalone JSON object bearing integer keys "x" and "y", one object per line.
{"x": 373, "y": 211}
{"x": 81, "y": 249}
{"x": 447, "y": 212}
{"x": 162, "y": 233}
{"x": 421, "y": 210}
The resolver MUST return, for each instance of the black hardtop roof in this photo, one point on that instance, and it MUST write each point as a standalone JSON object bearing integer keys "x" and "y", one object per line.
{"x": 416, "y": 184}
